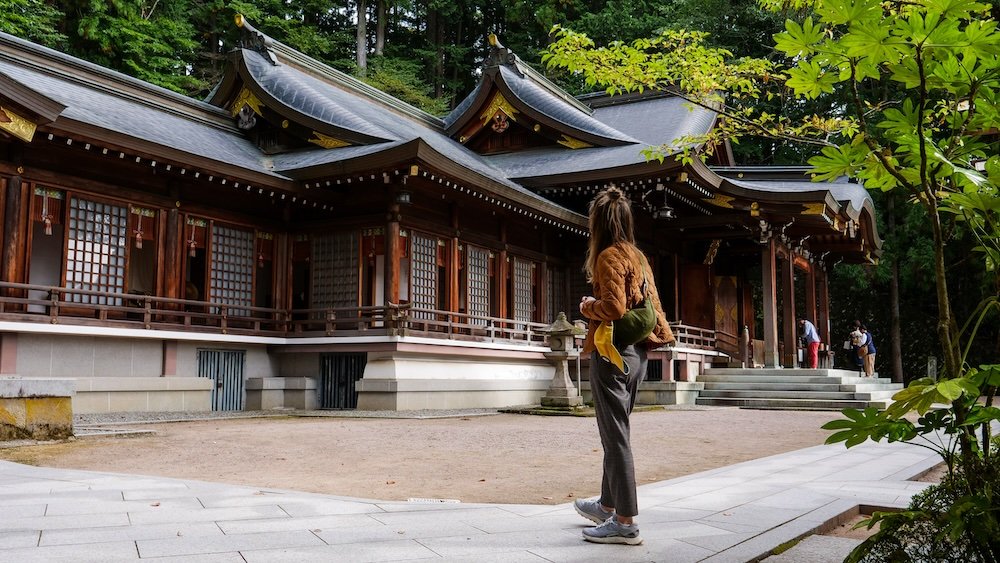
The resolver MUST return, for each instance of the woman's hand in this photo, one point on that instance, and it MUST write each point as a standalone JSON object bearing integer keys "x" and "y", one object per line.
{"x": 585, "y": 300}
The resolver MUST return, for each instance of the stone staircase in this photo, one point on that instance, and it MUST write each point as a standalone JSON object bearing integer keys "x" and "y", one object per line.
{"x": 798, "y": 389}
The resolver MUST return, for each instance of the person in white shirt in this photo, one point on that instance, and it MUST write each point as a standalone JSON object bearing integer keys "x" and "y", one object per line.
{"x": 811, "y": 338}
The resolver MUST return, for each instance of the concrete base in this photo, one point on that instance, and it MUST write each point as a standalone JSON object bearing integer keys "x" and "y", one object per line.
{"x": 265, "y": 393}
{"x": 568, "y": 402}
{"x": 142, "y": 394}
{"x": 36, "y": 409}
{"x": 402, "y": 381}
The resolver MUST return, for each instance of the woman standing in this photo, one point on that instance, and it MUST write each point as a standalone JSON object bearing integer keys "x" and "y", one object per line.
{"x": 618, "y": 272}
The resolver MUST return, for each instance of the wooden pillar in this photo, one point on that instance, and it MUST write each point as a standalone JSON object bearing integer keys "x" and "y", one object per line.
{"x": 502, "y": 268}
{"x": 769, "y": 289}
{"x": 172, "y": 272}
{"x": 810, "y": 312}
{"x": 788, "y": 310}
{"x": 282, "y": 271}
{"x": 392, "y": 255}
{"x": 455, "y": 259}
{"x": 822, "y": 304}
{"x": 15, "y": 218}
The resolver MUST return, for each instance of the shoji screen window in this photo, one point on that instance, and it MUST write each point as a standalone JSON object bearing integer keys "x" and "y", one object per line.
{"x": 556, "y": 292}
{"x": 424, "y": 274}
{"x": 524, "y": 289}
{"x": 478, "y": 283}
{"x": 96, "y": 249}
{"x": 231, "y": 273}
{"x": 335, "y": 270}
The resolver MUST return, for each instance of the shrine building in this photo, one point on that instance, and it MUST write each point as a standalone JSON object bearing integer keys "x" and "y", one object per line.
{"x": 300, "y": 239}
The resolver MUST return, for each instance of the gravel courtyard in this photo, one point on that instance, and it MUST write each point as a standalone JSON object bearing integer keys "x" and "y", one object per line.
{"x": 499, "y": 458}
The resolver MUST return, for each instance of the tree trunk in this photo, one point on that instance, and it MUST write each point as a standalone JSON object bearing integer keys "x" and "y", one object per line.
{"x": 434, "y": 42}
{"x": 362, "y": 37}
{"x": 895, "y": 333}
{"x": 380, "y": 25}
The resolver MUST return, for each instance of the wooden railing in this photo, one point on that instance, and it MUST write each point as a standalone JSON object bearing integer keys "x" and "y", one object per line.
{"x": 693, "y": 337}
{"x": 60, "y": 305}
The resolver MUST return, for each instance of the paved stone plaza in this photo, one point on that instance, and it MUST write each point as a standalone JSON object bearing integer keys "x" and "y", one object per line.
{"x": 736, "y": 513}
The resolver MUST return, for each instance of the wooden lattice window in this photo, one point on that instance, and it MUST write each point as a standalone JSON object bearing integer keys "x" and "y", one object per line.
{"x": 96, "y": 250}
{"x": 477, "y": 272}
{"x": 524, "y": 290}
{"x": 231, "y": 277}
{"x": 423, "y": 274}
{"x": 556, "y": 292}
{"x": 335, "y": 270}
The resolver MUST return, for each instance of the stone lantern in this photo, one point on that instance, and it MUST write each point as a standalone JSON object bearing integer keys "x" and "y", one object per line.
{"x": 562, "y": 392}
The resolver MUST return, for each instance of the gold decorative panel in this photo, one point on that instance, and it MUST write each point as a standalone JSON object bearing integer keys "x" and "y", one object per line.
{"x": 813, "y": 209}
{"x": 572, "y": 143}
{"x": 498, "y": 103}
{"x": 327, "y": 142}
{"x": 16, "y": 125}
{"x": 246, "y": 98}
{"x": 720, "y": 200}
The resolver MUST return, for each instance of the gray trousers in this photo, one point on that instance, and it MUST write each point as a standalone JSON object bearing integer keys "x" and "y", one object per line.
{"x": 614, "y": 396}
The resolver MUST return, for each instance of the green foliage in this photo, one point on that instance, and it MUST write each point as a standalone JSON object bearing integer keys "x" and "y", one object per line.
{"x": 34, "y": 20}
{"x": 152, "y": 41}
{"x": 401, "y": 78}
{"x": 943, "y": 523}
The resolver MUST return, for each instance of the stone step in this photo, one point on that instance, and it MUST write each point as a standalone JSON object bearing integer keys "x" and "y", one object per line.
{"x": 785, "y": 372}
{"x": 767, "y": 386}
{"x": 784, "y": 394}
{"x": 883, "y": 390}
{"x": 790, "y": 404}
{"x": 818, "y": 379}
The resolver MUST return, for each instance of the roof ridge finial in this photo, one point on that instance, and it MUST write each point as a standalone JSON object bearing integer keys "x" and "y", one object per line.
{"x": 253, "y": 39}
{"x": 499, "y": 55}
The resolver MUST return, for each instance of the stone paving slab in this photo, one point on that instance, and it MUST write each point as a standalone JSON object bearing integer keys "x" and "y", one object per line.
{"x": 734, "y": 514}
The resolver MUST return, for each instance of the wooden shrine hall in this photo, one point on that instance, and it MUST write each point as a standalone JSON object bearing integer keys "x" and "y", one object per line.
{"x": 301, "y": 239}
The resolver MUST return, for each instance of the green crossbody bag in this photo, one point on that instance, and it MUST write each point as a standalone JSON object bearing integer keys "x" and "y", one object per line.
{"x": 638, "y": 322}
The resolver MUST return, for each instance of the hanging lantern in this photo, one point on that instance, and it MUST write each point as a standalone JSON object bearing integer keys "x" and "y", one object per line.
{"x": 260, "y": 260}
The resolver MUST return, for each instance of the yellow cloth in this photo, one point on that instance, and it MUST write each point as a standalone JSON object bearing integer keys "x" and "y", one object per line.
{"x": 604, "y": 342}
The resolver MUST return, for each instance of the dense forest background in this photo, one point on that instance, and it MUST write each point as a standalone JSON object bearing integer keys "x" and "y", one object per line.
{"x": 427, "y": 52}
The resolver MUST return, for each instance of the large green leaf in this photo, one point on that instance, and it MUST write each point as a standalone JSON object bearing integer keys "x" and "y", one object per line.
{"x": 798, "y": 40}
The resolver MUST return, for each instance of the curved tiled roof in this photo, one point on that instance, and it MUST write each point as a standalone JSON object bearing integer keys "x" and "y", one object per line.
{"x": 200, "y": 129}
{"x": 542, "y": 100}
{"x": 653, "y": 121}
{"x": 311, "y": 97}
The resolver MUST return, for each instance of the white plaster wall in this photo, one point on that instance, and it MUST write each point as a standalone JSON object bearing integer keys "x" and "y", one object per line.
{"x": 48, "y": 355}
{"x": 440, "y": 367}
{"x": 298, "y": 365}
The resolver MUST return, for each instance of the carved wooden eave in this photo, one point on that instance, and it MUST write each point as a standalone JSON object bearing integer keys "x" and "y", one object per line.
{"x": 804, "y": 211}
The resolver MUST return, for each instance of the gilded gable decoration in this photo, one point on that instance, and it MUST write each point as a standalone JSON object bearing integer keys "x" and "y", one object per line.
{"x": 498, "y": 104}
{"x": 246, "y": 98}
{"x": 327, "y": 142}
{"x": 720, "y": 200}
{"x": 16, "y": 125}
{"x": 572, "y": 143}
{"x": 814, "y": 209}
